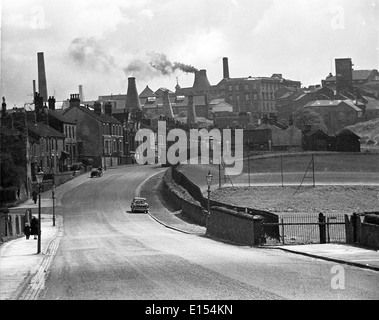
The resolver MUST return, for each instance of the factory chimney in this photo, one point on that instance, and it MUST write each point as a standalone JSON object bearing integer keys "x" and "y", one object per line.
{"x": 167, "y": 108}
{"x": 201, "y": 79}
{"x": 34, "y": 88}
{"x": 38, "y": 107}
{"x": 225, "y": 68}
{"x": 191, "y": 111}
{"x": 132, "y": 99}
{"x": 81, "y": 95}
{"x": 42, "y": 85}
{"x": 3, "y": 108}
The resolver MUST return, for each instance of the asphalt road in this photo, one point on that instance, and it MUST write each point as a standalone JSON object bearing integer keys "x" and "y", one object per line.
{"x": 107, "y": 252}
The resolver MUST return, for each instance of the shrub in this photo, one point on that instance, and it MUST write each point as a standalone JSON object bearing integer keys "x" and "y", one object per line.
{"x": 372, "y": 218}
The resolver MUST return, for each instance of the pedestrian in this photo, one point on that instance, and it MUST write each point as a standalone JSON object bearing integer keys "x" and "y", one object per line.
{"x": 27, "y": 230}
{"x": 34, "y": 227}
{"x": 34, "y": 196}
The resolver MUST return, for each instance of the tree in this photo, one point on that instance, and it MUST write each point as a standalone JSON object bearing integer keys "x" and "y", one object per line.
{"x": 308, "y": 120}
{"x": 11, "y": 174}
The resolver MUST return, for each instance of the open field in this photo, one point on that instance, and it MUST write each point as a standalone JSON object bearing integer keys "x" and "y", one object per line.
{"x": 326, "y": 199}
{"x": 323, "y": 163}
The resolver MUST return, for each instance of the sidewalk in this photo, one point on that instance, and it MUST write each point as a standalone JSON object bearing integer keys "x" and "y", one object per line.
{"x": 22, "y": 270}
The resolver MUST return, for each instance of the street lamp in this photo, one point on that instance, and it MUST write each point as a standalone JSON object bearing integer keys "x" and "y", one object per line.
{"x": 209, "y": 181}
{"x": 39, "y": 177}
{"x": 53, "y": 196}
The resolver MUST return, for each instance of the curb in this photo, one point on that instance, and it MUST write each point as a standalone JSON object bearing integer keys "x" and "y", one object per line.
{"x": 354, "y": 264}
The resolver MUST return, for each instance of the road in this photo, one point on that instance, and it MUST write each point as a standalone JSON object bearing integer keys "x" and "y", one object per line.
{"x": 106, "y": 252}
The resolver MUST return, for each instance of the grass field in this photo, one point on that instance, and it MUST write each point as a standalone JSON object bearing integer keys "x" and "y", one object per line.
{"x": 326, "y": 199}
{"x": 323, "y": 163}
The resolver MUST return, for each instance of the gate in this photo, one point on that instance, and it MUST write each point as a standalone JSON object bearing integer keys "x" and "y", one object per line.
{"x": 306, "y": 229}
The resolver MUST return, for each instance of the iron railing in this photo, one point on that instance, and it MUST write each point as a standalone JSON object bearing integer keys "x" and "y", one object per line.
{"x": 307, "y": 228}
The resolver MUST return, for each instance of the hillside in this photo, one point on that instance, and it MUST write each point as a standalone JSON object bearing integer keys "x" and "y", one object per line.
{"x": 368, "y": 131}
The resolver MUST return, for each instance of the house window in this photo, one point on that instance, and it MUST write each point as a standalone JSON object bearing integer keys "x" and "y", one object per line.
{"x": 230, "y": 98}
{"x": 247, "y": 97}
{"x": 237, "y": 87}
{"x": 246, "y": 87}
{"x": 230, "y": 88}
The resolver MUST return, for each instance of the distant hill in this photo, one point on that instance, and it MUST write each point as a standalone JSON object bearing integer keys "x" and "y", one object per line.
{"x": 368, "y": 131}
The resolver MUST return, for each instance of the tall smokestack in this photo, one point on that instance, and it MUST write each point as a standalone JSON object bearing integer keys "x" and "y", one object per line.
{"x": 191, "y": 111}
{"x": 34, "y": 88}
{"x": 201, "y": 79}
{"x": 81, "y": 95}
{"x": 167, "y": 108}
{"x": 38, "y": 107}
{"x": 132, "y": 99}
{"x": 225, "y": 68}
{"x": 3, "y": 108}
{"x": 344, "y": 75}
{"x": 42, "y": 85}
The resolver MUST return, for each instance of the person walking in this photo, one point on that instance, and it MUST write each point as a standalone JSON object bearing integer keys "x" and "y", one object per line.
{"x": 34, "y": 196}
{"x": 27, "y": 230}
{"x": 34, "y": 227}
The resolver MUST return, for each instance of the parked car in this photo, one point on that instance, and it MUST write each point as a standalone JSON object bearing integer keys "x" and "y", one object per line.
{"x": 96, "y": 173}
{"x": 76, "y": 166}
{"x": 139, "y": 205}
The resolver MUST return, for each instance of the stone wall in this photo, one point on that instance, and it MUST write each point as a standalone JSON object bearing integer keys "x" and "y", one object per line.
{"x": 180, "y": 199}
{"x": 234, "y": 226}
{"x": 369, "y": 235}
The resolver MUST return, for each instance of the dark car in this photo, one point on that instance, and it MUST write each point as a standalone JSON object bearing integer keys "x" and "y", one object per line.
{"x": 95, "y": 173}
{"x": 139, "y": 205}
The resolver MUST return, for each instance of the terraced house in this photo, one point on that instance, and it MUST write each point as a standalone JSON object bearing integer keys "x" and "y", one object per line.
{"x": 99, "y": 135}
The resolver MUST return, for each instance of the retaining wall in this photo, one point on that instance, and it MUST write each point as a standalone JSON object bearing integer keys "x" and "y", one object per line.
{"x": 370, "y": 235}
{"x": 195, "y": 192}
{"x": 234, "y": 226}
{"x": 180, "y": 199}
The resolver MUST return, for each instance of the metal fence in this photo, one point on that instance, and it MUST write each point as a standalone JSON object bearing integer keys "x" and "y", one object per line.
{"x": 307, "y": 228}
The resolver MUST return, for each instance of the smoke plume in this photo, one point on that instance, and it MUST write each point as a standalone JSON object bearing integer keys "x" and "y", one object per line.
{"x": 88, "y": 53}
{"x": 155, "y": 65}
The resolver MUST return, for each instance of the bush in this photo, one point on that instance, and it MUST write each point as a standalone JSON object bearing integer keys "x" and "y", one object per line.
{"x": 8, "y": 194}
{"x": 372, "y": 218}
{"x": 4, "y": 210}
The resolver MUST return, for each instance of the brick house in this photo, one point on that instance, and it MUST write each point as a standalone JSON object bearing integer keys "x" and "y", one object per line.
{"x": 99, "y": 135}
{"x": 290, "y": 101}
{"x": 337, "y": 114}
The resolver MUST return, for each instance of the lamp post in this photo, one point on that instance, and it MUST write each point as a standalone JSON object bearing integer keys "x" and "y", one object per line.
{"x": 53, "y": 196}
{"x": 39, "y": 177}
{"x": 209, "y": 181}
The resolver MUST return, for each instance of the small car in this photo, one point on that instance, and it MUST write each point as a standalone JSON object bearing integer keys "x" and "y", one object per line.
{"x": 139, "y": 205}
{"x": 96, "y": 173}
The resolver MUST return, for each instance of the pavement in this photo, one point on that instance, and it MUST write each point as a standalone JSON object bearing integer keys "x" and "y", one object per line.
{"x": 22, "y": 269}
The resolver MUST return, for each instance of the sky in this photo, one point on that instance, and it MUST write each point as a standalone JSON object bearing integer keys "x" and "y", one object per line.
{"x": 100, "y": 43}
